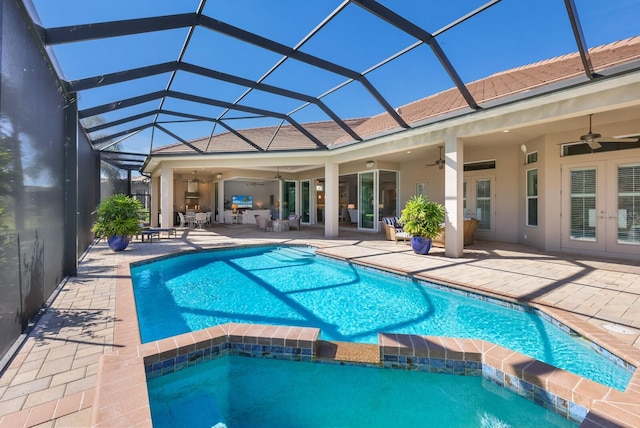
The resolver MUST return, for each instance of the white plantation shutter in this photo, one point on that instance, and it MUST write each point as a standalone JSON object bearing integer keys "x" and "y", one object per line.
{"x": 629, "y": 204}
{"x": 583, "y": 204}
{"x": 483, "y": 204}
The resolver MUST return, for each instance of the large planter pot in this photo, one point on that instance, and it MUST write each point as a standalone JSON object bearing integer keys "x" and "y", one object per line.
{"x": 118, "y": 243}
{"x": 420, "y": 245}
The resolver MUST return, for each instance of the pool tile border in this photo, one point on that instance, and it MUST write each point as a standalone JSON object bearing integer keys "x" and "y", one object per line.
{"x": 527, "y": 377}
{"x": 625, "y": 356}
{"x": 121, "y": 377}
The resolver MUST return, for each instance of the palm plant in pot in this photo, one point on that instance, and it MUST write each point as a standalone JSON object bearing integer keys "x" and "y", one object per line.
{"x": 422, "y": 219}
{"x": 117, "y": 219}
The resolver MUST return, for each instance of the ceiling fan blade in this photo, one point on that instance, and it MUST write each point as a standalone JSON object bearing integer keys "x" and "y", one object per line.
{"x": 622, "y": 140}
{"x": 440, "y": 164}
{"x": 594, "y": 145}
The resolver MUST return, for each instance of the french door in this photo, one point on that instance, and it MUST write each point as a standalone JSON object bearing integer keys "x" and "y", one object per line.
{"x": 479, "y": 202}
{"x": 601, "y": 206}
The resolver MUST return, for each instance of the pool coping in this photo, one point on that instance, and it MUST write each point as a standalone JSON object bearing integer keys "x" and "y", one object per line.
{"x": 121, "y": 375}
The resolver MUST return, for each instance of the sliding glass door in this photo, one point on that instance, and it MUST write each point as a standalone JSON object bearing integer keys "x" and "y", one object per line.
{"x": 288, "y": 205}
{"x": 367, "y": 185}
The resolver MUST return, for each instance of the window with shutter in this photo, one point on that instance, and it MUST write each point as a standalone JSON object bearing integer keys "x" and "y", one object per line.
{"x": 583, "y": 204}
{"x": 629, "y": 204}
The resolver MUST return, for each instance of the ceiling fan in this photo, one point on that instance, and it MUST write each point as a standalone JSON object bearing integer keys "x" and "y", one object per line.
{"x": 278, "y": 176}
{"x": 195, "y": 178}
{"x": 594, "y": 140}
{"x": 439, "y": 162}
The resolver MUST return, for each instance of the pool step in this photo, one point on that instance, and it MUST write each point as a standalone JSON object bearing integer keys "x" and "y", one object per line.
{"x": 289, "y": 253}
{"x": 301, "y": 251}
{"x": 347, "y": 351}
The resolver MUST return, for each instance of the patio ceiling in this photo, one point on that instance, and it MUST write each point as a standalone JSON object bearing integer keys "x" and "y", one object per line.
{"x": 150, "y": 73}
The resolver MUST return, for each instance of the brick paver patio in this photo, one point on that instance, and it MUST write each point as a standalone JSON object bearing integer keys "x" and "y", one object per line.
{"x": 51, "y": 381}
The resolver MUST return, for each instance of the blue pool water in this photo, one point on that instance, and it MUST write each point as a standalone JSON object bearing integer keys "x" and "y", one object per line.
{"x": 233, "y": 390}
{"x": 290, "y": 286}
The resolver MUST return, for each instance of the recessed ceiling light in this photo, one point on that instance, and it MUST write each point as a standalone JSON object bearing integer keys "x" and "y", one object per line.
{"x": 505, "y": 131}
{"x": 408, "y": 151}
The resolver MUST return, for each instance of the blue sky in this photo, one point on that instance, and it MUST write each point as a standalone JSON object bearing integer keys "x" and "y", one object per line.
{"x": 508, "y": 34}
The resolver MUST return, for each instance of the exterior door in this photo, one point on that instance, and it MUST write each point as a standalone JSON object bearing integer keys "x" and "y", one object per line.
{"x": 601, "y": 206}
{"x": 289, "y": 196}
{"x": 367, "y": 190}
{"x": 479, "y": 202}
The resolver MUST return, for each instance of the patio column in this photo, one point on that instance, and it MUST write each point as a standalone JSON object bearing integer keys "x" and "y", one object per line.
{"x": 166, "y": 197}
{"x": 453, "y": 183}
{"x": 331, "y": 202}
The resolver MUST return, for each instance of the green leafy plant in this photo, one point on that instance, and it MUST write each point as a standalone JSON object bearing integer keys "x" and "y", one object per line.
{"x": 422, "y": 217}
{"x": 118, "y": 215}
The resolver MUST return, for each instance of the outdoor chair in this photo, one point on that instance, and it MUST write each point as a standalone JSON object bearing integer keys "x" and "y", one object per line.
{"x": 183, "y": 220}
{"x": 200, "y": 220}
{"x": 294, "y": 222}
{"x": 470, "y": 225}
{"x": 393, "y": 230}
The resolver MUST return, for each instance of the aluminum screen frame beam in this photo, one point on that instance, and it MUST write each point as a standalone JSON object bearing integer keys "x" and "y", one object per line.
{"x": 413, "y": 30}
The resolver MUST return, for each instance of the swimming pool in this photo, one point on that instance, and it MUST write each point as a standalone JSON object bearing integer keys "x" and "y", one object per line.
{"x": 290, "y": 286}
{"x": 250, "y": 392}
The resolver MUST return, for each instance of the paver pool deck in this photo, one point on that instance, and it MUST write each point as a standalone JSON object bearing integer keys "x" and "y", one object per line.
{"x": 51, "y": 381}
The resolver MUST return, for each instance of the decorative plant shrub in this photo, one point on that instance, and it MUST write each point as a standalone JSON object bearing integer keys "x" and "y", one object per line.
{"x": 118, "y": 215}
{"x": 422, "y": 219}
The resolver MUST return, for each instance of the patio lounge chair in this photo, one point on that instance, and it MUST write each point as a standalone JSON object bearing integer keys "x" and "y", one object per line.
{"x": 393, "y": 230}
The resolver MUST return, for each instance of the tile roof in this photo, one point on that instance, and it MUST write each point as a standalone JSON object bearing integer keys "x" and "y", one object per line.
{"x": 504, "y": 83}
{"x": 286, "y": 138}
{"x": 499, "y": 85}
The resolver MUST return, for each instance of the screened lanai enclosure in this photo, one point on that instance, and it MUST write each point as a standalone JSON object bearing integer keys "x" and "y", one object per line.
{"x": 95, "y": 92}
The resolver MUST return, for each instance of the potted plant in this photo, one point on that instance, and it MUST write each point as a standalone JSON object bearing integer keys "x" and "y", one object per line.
{"x": 117, "y": 219}
{"x": 422, "y": 219}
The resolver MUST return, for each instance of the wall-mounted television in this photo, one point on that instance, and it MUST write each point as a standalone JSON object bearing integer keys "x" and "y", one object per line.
{"x": 243, "y": 201}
